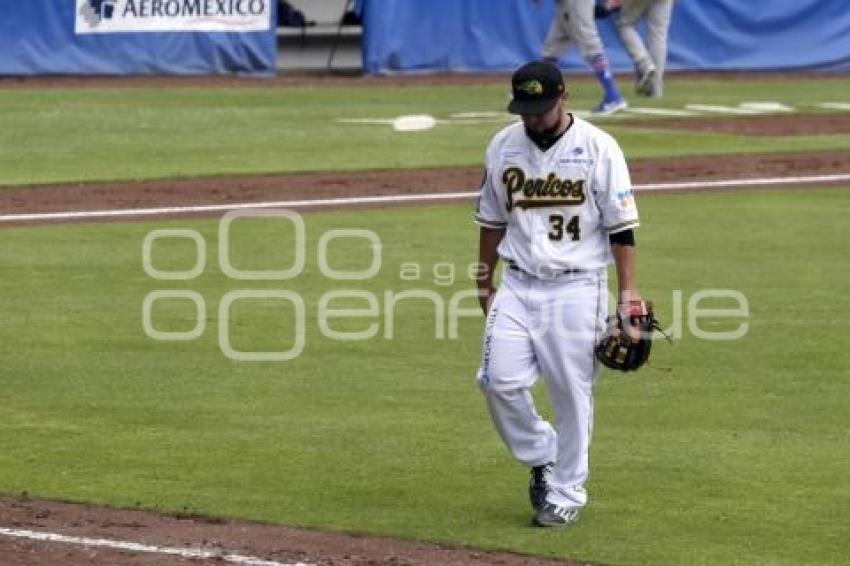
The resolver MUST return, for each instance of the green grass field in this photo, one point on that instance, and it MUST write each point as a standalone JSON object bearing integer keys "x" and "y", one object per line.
{"x": 723, "y": 452}
{"x": 57, "y": 135}
{"x": 737, "y": 454}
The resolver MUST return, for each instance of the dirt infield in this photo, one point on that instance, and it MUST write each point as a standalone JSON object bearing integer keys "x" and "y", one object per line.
{"x": 263, "y": 188}
{"x": 268, "y": 542}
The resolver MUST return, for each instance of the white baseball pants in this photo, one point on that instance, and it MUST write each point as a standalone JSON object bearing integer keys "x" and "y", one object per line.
{"x": 573, "y": 23}
{"x": 657, "y": 14}
{"x": 538, "y": 327}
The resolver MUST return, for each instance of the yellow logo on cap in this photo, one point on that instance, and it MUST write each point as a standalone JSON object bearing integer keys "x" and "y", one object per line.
{"x": 531, "y": 87}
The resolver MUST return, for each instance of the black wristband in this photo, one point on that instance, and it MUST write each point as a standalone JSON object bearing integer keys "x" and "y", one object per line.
{"x": 623, "y": 238}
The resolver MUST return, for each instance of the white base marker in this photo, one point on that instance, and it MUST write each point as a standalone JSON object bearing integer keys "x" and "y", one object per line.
{"x": 766, "y": 106}
{"x": 414, "y": 123}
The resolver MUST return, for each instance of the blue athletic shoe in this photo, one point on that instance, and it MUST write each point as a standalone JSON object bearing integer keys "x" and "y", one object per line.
{"x": 608, "y": 107}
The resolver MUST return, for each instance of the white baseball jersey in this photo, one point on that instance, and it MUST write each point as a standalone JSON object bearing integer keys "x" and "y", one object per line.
{"x": 558, "y": 206}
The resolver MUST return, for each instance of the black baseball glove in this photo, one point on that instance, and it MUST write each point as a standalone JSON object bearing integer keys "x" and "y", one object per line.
{"x": 627, "y": 344}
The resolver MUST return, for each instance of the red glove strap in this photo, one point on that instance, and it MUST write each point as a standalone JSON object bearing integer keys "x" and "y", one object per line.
{"x": 632, "y": 308}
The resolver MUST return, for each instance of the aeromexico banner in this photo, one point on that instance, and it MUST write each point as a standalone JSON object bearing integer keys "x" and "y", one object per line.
{"x": 115, "y": 16}
{"x": 137, "y": 37}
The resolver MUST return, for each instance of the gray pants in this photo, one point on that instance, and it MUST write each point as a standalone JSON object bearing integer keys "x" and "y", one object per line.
{"x": 573, "y": 23}
{"x": 657, "y": 15}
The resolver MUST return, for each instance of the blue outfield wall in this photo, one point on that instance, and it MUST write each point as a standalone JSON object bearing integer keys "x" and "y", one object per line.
{"x": 44, "y": 37}
{"x": 499, "y": 35}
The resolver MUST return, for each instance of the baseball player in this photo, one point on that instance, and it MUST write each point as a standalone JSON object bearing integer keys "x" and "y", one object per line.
{"x": 649, "y": 63}
{"x": 556, "y": 207}
{"x": 574, "y": 23}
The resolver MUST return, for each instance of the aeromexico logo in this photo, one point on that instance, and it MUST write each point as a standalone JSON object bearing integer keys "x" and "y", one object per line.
{"x": 535, "y": 192}
{"x": 94, "y": 11}
{"x": 106, "y": 16}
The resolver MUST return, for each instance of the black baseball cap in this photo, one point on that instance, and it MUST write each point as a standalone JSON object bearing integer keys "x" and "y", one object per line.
{"x": 535, "y": 87}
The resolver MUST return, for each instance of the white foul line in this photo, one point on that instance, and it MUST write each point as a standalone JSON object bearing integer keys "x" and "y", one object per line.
{"x": 743, "y": 182}
{"x": 392, "y": 199}
{"x": 136, "y": 547}
{"x": 234, "y": 206}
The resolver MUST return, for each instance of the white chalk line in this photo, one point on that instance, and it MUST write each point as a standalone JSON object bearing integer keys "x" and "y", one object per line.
{"x": 721, "y": 183}
{"x": 391, "y": 199}
{"x": 193, "y": 553}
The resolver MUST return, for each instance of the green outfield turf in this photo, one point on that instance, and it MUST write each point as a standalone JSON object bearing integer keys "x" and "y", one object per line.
{"x": 725, "y": 452}
{"x": 60, "y": 135}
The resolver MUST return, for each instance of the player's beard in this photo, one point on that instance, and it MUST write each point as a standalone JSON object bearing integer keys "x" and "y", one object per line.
{"x": 544, "y": 136}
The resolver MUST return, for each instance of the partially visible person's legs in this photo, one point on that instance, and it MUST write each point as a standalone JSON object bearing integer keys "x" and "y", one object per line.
{"x": 658, "y": 24}
{"x": 626, "y": 22}
{"x": 558, "y": 40}
{"x": 583, "y": 29}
